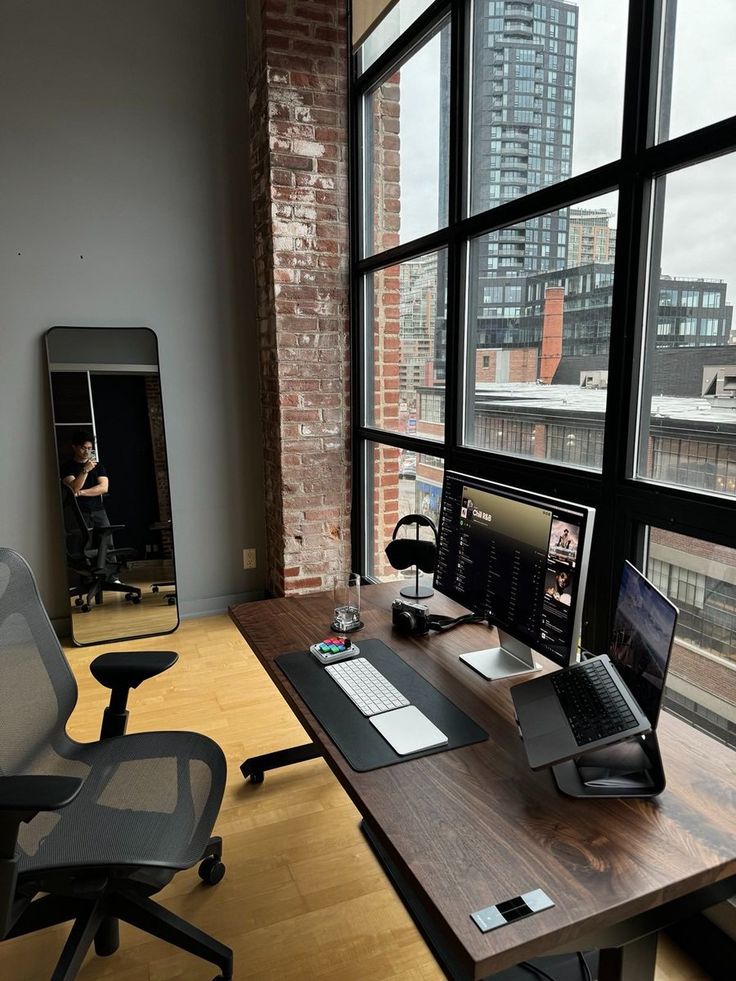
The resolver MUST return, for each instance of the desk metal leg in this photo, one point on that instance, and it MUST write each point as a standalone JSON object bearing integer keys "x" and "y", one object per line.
{"x": 255, "y": 766}
{"x": 634, "y": 961}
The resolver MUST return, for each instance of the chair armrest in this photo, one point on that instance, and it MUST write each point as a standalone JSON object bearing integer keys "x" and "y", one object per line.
{"x": 24, "y": 794}
{"x": 120, "y": 672}
{"x": 129, "y": 669}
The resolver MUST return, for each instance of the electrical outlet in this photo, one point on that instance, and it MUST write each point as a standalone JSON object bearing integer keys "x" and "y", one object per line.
{"x": 249, "y": 558}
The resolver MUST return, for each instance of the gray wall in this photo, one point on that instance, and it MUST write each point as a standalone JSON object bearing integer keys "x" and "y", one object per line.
{"x": 123, "y": 201}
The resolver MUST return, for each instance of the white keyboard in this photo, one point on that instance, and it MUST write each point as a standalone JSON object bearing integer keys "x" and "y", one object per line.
{"x": 366, "y": 687}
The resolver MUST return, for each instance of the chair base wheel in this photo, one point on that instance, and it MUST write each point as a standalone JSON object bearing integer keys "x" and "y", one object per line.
{"x": 85, "y": 607}
{"x": 211, "y": 871}
{"x": 257, "y": 777}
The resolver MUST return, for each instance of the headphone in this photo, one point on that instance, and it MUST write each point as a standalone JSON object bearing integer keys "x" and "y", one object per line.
{"x": 403, "y": 552}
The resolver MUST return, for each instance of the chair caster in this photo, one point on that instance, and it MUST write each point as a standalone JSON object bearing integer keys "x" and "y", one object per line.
{"x": 256, "y": 776}
{"x": 136, "y": 600}
{"x": 85, "y": 607}
{"x": 154, "y": 589}
{"x": 171, "y": 600}
{"x": 78, "y": 601}
{"x": 211, "y": 871}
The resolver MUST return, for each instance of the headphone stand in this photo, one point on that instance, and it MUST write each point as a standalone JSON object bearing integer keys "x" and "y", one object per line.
{"x": 416, "y": 591}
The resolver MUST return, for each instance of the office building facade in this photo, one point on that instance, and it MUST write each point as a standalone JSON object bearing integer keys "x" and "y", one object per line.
{"x": 590, "y": 236}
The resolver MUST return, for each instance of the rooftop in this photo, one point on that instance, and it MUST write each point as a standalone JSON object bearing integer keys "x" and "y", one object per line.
{"x": 573, "y": 400}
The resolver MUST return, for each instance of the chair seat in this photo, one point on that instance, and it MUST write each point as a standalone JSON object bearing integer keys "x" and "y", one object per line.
{"x": 148, "y": 799}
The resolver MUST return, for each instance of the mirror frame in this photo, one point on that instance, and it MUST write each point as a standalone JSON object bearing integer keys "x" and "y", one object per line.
{"x": 46, "y": 337}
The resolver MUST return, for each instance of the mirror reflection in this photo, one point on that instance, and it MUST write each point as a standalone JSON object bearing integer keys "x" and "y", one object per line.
{"x": 113, "y": 482}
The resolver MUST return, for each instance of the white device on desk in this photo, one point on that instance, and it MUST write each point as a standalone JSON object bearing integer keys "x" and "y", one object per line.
{"x": 402, "y": 725}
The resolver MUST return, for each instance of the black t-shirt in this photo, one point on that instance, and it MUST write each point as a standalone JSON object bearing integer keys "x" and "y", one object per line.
{"x": 72, "y": 469}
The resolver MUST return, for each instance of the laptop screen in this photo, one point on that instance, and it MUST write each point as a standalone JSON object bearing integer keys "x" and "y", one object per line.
{"x": 641, "y": 640}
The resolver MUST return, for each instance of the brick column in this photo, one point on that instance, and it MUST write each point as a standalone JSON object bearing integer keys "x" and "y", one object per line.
{"x": 298, "y": 117}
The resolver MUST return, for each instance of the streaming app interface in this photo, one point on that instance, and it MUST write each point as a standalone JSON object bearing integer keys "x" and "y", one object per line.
{"x": 514, "y": 562}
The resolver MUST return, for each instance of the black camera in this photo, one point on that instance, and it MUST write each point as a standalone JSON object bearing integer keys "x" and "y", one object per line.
{"x": 410, "y": 618}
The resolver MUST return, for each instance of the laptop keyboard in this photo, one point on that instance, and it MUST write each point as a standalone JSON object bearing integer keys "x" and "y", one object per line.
{"x": 365, "y": 686}
{"x": 594, "y": 706}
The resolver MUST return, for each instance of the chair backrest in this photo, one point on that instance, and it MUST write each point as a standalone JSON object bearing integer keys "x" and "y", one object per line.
{"x": 37, "y": 688}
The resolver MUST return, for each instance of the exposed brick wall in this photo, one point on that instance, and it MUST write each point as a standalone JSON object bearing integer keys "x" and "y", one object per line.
{"x": 521, "y": 364}
{"x": 298, "y": 115}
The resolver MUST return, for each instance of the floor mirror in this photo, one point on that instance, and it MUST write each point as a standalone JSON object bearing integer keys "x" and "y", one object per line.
{"x": 113, "y": 482}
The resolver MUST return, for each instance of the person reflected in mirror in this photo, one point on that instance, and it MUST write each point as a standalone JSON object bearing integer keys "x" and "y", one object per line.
{"x": 87, "y": 478}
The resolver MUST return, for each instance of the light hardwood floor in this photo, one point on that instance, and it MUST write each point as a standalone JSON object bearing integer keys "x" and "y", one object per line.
{"x": 303, "y": 897}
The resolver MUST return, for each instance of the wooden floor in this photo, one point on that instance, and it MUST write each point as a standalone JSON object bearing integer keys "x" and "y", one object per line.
{"x": 303, "y": 897}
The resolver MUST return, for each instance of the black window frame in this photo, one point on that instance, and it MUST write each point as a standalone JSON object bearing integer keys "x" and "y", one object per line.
{"x": 626, "y": 505}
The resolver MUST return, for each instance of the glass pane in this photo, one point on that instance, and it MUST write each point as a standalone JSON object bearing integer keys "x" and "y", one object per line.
{"x": 388, "y": 30}
{"x": 406, "y": 126}
{"x": 698, "y": 72}
{"x": 403, "y": 482}
{"x": 539, "y": 325}
{"x": 406, "y": 325}
{"x": 547, "y": 93}
{"x": 700, "y": 579}
{"x": 688, "y": 420}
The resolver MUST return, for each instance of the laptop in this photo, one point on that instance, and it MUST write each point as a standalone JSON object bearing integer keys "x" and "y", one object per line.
{"x": 609, "y": 698}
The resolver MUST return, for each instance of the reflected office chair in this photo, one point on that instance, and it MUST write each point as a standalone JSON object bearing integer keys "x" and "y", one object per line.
{"x": 90, "y": 831}
{"x": 91, "y": 558}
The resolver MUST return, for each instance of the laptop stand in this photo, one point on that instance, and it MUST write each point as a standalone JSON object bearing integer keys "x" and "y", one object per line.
{"x": 632, "y": 768}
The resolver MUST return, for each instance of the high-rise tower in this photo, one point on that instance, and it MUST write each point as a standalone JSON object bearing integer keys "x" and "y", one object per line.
{"x": 521, "y": 134}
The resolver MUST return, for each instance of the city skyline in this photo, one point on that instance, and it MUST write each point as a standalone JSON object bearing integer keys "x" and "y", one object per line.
{"x": 694, "y": 211}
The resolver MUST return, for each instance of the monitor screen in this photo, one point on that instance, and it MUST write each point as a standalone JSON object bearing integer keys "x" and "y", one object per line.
{"x": 518, "y": 559}
{"x": 641, "y": 639}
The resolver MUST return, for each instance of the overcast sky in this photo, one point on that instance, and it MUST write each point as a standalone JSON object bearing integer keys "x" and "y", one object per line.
{"x": 700, "y": 214}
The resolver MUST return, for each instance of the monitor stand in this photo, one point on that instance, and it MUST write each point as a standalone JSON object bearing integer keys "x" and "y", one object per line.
{"x": 510, "y": 659}
{"x": 632, "y": 768}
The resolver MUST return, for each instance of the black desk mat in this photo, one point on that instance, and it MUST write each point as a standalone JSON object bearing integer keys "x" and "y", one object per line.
{"x": 358, "y": 741}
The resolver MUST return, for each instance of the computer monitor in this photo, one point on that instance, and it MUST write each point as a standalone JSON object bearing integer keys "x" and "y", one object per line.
{"x": 521, "y": 561}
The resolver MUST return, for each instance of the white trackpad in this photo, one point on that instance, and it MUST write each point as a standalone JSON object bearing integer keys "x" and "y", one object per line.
{"x": 408, "y": 730}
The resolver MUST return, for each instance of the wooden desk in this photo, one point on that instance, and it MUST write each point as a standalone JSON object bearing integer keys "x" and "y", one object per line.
{"x": 464, "y": 829}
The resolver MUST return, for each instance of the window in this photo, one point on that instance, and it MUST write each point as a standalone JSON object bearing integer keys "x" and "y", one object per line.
{"x": 405, "y": 322}
{"x": 698, "y": 29}
{"x": 700, "y": 579}
{"x": 504, "y": 195}
{"x": 674, "y": 402}
{"x": 406, "y": 193}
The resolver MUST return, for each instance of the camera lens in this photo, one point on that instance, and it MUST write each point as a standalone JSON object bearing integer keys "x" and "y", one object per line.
{"x": 405, "y": 621}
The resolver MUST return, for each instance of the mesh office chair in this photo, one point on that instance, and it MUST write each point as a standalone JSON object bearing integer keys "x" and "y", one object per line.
{"x": 89, "y": 556}
{"x": 89, "y": 831}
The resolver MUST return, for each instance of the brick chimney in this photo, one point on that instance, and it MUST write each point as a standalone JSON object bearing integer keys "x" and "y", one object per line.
{"x": 554, "y": 299}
